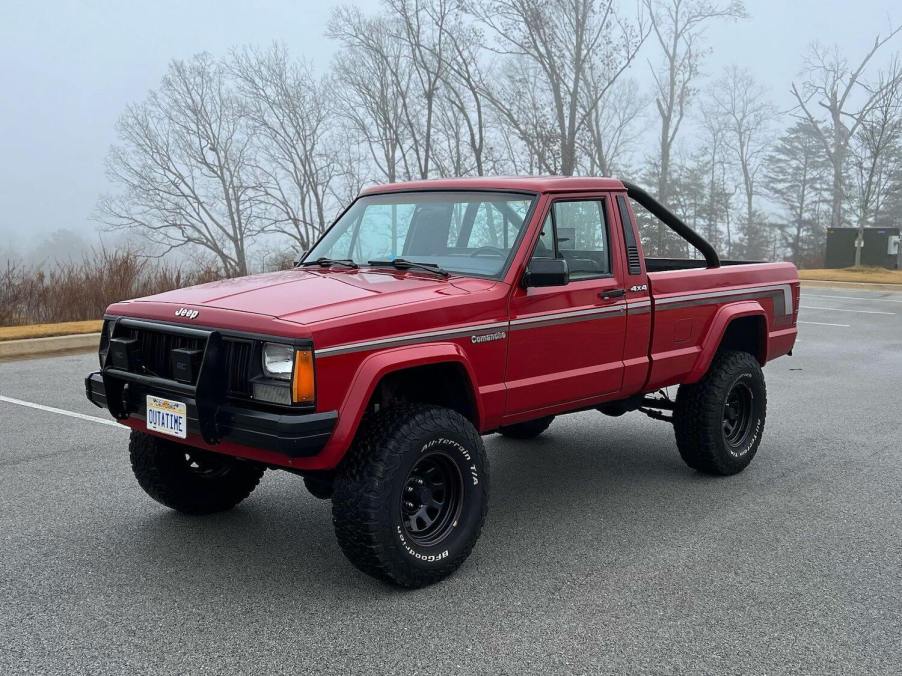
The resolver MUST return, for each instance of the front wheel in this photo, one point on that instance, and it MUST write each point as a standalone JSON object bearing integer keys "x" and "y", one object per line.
{"x": 188, "y": 479}
{"x": 719, "y": 420}
{"x": 412, "y": 494}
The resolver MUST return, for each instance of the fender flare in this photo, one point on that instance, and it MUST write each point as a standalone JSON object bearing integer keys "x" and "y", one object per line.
{"x": 368, "y": 375}
{"x": 718, "y": 327}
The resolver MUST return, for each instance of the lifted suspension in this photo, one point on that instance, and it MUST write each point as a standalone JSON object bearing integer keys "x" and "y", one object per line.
{"x": 652, "y": 406}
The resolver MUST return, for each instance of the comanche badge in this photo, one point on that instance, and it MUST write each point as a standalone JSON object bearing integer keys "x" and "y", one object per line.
{"x": 487, "y": 338}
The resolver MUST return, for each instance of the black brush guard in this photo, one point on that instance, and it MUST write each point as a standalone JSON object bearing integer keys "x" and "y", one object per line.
{"x": 210, "y": 413}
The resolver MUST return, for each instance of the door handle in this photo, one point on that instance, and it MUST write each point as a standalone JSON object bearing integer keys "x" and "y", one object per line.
{"x": 613, "y": 293}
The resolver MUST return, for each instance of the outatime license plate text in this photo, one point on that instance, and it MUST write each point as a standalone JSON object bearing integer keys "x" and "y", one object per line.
{"x": 167, "y": 417}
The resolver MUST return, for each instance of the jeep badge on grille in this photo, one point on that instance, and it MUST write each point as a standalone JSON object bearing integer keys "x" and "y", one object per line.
{"x": 185, "y": 312}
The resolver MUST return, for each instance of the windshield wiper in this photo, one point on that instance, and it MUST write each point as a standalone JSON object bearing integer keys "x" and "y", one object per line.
{"x": 324, "y": 262}
{"x": 404, "y": 264}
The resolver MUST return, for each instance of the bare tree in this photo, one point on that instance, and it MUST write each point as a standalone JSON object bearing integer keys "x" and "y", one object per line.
{"x": 410, "y": 47}
{"x": 718, "y": 180}
{"x": 838, "y": 87}
{"x": 678, "y": 27}
{"x": 292, "y": 116}
{"x": 374, "y": 84}
{"x": 875, "y": 149}
{"x": 743, "y": 106}
{"x": 612, "y": 129}
{"x": 465, "y": 107}
{"x": 421, "y": 27}
{"x": 524, "y": 122}
{"x": 569, "y": 53}
{"x": 184, "y": 164}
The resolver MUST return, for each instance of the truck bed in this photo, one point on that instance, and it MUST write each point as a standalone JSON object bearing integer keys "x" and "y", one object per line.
{"x": 689, "y": 304}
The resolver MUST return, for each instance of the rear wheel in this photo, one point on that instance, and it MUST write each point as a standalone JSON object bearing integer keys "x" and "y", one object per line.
{"x": 188, "y": 479}
{"x": 411, "y": 496}
{"x": 719, "y": 420}
{"x": 527, "y": 430}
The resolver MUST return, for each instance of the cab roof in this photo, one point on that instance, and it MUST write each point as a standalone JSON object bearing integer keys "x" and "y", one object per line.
{"x": 532, "y": 184}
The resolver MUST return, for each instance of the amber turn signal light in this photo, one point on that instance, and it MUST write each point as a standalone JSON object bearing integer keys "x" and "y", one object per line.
{"x": 303, "y": 386}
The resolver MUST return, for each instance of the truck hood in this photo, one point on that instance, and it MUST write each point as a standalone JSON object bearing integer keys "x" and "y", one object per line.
{"x": 307, "y": 296}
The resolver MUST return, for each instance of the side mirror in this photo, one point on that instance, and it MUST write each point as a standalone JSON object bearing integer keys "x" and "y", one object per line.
{"x": 547, "y": 272}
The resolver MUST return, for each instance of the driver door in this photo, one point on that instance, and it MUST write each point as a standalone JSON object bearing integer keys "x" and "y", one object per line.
{"x": 566, "y": 342}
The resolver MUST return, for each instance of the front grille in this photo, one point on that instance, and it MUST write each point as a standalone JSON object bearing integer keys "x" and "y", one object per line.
{"x": 155, "y": 347}
{"x": 238, "y": 358}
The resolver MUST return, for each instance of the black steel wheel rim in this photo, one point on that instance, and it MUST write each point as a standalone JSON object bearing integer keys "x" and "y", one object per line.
{"x": 738, "y": 415}
{"x": 207, "y": 465}
{"x": 431, "y": 499}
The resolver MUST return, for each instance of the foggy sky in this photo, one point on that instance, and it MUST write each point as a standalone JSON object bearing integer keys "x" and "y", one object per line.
{"x": 68, "y": 68}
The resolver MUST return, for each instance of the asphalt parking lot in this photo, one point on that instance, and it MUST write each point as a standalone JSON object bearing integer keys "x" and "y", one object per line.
{"x": 602, "y": 551}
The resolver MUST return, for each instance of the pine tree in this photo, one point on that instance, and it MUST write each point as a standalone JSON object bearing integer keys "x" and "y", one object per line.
{"x": 798, "y": 179}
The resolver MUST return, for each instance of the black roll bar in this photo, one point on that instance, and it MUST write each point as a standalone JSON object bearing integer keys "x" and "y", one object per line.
{"x": 674, "y": 223}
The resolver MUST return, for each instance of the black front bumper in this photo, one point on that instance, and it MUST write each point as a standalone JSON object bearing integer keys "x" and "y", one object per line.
{"x": 211, "y": 413}
{"x": 291, "y": 434}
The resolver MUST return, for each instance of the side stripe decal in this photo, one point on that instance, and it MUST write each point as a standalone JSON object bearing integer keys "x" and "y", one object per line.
{"x": 734, "y": 294}
{"x": 566, "y": 317}
{"x": 410, "y": 339}
{"x": 783, "y": 293}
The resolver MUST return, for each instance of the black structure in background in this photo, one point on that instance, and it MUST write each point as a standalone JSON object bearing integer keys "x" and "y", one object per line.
{"x": 880, "y": 247}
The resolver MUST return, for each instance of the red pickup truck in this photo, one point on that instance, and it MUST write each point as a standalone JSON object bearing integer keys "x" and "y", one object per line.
{"x": 429, "y": 314}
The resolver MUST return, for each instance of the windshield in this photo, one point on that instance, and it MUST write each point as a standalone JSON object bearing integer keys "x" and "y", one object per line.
{"x": 468, "y": 233}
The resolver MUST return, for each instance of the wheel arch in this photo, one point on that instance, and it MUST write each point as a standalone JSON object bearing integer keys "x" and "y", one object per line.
{"x": 404, "y": 371}
{"x": 738, "y": 326}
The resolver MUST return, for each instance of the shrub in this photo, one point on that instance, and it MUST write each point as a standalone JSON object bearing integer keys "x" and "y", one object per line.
{"x": 82, "y": 290}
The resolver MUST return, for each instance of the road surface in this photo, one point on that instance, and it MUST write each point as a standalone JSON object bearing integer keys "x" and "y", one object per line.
{"x": 602, "y": 551}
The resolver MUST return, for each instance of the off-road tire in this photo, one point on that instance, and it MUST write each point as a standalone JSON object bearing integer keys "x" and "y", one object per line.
{"x": 527, "y": 430}
{"x": 367, "y": 507}
{"x": 189, "y": 480}
{"x": 701, "y": 413}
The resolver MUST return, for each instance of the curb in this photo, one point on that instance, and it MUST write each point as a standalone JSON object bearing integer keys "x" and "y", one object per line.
{"x": 30, "y": 347}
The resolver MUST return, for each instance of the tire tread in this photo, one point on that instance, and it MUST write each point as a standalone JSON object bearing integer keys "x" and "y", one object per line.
{"x": 356, "y": 505}
{"x": 698, "y": 411}
{"x": 148, "y": 453}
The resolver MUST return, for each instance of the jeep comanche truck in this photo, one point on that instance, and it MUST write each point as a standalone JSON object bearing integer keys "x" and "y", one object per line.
{"x": 429, "y": 314}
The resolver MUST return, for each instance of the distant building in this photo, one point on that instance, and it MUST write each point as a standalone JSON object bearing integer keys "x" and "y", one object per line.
{"x": 881, "y": 247}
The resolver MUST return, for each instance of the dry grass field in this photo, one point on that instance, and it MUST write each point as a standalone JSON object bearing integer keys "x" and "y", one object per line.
{"x": 864, "y": 275}
{"x": 47, "y": 330}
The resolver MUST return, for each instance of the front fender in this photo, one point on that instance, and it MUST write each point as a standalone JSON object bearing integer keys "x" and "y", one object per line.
{"x": 718, "y": 328}
{"x": 368, "y": 375}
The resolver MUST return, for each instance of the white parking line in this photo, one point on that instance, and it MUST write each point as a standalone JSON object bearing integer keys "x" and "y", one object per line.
{"x": 842, "y": 309}
{"x": 882, "y": 300}
{"x": 845, "y": 326}
{"x": 60, "y": 411}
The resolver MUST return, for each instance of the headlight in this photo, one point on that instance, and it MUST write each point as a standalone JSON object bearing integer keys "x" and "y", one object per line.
{"x": 278, "y": 360}
{"x": 295, "y": 367}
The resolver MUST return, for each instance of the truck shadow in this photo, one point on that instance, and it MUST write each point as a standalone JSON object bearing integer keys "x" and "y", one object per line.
{"x": 574, "y": 489}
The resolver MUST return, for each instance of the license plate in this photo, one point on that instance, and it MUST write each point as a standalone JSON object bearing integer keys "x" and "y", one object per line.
{"x": 167, "y": 417}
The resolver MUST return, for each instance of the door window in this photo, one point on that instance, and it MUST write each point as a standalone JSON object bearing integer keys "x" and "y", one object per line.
{"x": 577, "y": 231}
